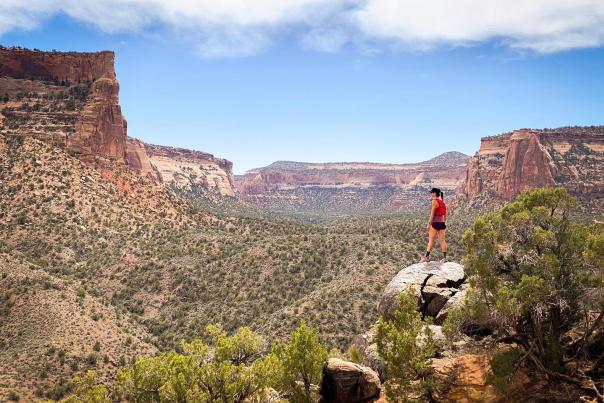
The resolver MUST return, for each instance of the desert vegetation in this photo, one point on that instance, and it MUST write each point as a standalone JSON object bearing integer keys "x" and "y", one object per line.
{"x": 163, "y": 263}
{"x": 536, "y": 277}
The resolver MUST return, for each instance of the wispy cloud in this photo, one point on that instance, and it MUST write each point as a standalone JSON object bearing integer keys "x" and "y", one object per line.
{"x": 235, "y": 28}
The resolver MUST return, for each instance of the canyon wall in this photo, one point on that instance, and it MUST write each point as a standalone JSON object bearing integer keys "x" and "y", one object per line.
{"x": 56, "y": 67}
{"x": 72, "y": 100}
{"x": 350, "y": 187}
{"x": 510, "y": 163}
{"x": 191, "y": 170}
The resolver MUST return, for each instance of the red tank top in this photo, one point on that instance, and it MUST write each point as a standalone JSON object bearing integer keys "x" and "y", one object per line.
{"x": 441, "y": 210}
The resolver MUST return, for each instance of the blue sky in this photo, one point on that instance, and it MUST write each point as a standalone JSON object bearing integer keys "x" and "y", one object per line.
{"x": 334, "y": 100}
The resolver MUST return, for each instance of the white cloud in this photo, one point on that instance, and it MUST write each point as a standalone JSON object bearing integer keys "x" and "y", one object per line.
{"x": 326, "y": 39}
{"x": 539, "y": 25}
{"x": 234, "y": 28}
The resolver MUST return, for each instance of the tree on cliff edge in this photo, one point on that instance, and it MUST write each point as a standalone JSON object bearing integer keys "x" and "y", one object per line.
{"x": 536, "y": 274}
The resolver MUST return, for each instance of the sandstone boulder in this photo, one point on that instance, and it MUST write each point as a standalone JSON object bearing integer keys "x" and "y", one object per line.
{"x": 347, "y": 382}
{"x": 435, "y": 283}
{"x": 456, "y": 301}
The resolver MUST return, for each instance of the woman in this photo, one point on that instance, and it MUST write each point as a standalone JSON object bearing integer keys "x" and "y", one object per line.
{"x": 436, "y": 224}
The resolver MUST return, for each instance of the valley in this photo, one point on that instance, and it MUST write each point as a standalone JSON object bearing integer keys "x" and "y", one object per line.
{"x": 112, "y": 248}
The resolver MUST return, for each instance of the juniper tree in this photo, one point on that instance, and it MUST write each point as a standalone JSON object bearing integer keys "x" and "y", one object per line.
{"x": 536, "y": 273}
{"x": 301, "y": 363}
{"x": 227, "y": 370}
{"x": 406, "y": 345}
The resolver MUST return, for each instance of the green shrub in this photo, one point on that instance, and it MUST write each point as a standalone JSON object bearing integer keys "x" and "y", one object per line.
{"x": 13, "y": 396}
{"x": 531, "y": 267}
{"x": 406, "y": 345}
{"x": 228, "y": 370}
{"x": 87, "y": 390}
{"x": 301, "y": 363}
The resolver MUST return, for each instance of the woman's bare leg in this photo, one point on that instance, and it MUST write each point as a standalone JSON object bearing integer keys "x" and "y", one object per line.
{"x": 441, "y": 240}
{"x": 431, "y": 237}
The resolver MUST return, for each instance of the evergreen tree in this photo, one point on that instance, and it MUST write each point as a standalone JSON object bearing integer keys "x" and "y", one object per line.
{"x": 87, "y": 390}
{"x": 535, "y": 274}
{"x": 406, "y": 345}
{"x": 226, "y": 371}
{"x": 301, "y": 363}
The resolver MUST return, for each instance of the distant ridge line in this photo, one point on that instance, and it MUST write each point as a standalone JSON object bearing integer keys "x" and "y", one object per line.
{"x": 446, "y": 157}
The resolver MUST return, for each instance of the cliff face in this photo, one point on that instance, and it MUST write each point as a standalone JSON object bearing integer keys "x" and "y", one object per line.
{"x": 526, "y": 165}
{"x": 191, "y": 170}
{"x": 56, "y": 66}
{"x": 101, "y": 128}
{"x": 350, "y": 186}
{"x": 138, "y": 160}
{"x": 511, "y": 163}
{"x": 72, "y": 100}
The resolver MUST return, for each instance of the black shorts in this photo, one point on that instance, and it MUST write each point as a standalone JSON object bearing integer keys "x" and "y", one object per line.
{"x": 439, "y": 226}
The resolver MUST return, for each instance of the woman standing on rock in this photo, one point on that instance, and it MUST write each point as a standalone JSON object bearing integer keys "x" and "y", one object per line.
{"x": 436, "y": 224}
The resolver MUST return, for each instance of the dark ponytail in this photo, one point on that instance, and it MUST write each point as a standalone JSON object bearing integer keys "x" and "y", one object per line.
{"x": 442, "y": 195}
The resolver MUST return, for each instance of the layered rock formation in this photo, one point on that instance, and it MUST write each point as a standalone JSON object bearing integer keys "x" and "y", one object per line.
{"x": 350, "y": 186}
{"x": 191, "y": 170}
{"x": 56, "y": 66}
{"x": 511, "y": 163}
{"x": 75, "y": 98}
{"x": 72, "y": 100}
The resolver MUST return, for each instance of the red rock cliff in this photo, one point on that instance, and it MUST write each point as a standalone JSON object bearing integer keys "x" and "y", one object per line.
{"x": 96, "y": 127}
{"x": 525, "y": 159}
{"x": 72, "y": 100}
{"x": 526, "y": 165}
{"x": 354, "y": 186}
{"x": 56, "y": 66}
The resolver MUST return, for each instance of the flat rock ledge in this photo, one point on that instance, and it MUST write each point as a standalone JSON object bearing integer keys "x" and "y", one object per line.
{"x": 435, "y": 284}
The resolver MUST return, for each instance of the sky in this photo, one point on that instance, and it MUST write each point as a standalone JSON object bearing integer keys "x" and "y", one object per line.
{"x": 390, "y": 81}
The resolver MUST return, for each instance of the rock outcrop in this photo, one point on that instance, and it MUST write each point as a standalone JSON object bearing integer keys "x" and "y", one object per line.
{"x": 191, "y": 170}
{"x": 435, "y": 283}
{"x": 76, "y": 96}
{"x": 526, "y": 165}
{"x": 57, "y": 67}
{"x": 511, "y": 163}
{"x": 439, "y": 288}
{"x": 101, "y": 129}
{"x": 137, "y": 159}
{"x": 347, "y": 382}
{"x": 464, "y": 378}
{"x": 71, "y": 100}
{"x": 461, "y": 367}
{"x": 350, "y": 187}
